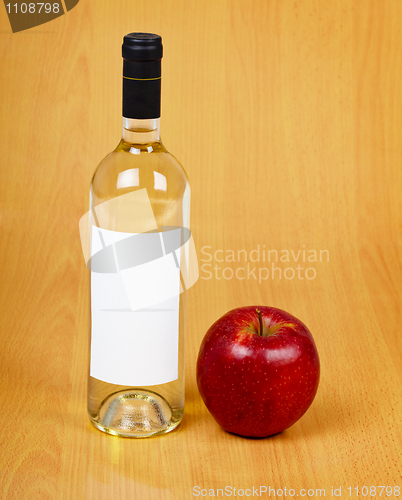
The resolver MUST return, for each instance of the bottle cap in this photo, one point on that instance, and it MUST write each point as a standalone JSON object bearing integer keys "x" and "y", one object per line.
{"x": 142, "y": 47}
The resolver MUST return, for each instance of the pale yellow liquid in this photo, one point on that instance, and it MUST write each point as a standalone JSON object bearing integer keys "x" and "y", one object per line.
{"x": 141, "y": 411}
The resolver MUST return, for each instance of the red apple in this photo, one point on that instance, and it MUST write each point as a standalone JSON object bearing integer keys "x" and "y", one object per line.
{"x": 257, "y": 370}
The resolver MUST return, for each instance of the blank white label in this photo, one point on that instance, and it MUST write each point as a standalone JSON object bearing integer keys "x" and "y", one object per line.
{"x": 135, "y": 318}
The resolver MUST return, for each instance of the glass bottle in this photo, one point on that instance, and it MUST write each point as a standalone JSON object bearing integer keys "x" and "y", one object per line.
{"x": 139, "y": 220}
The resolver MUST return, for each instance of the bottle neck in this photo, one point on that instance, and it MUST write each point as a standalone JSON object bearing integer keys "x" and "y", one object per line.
{"x": 141, "y": 90}
{"x": 141, "y": 131}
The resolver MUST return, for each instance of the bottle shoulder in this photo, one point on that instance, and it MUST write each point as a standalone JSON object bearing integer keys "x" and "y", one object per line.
{"x": 137, "y": 166}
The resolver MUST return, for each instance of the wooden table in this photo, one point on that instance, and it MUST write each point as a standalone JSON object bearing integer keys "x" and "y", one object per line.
{"x": 287, "y": 117}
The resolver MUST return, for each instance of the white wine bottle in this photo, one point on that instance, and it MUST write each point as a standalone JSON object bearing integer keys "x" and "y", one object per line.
{"x": 140, "y": 211}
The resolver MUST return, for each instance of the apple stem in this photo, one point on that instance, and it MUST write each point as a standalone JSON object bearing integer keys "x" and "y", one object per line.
{"x": 261, "y": 329}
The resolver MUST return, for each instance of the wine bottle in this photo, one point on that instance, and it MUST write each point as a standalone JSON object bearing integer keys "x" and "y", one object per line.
{"x": 140, "y": 212}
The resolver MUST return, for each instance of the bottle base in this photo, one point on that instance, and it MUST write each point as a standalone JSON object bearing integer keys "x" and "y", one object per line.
{"x": 136, "y": 413}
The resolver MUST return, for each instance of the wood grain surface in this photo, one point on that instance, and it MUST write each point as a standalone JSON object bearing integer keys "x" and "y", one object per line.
{"x": 286, "y": 115}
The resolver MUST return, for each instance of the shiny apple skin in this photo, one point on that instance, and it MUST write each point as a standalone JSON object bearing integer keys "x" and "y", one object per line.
{"x": 253, "y": 385}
